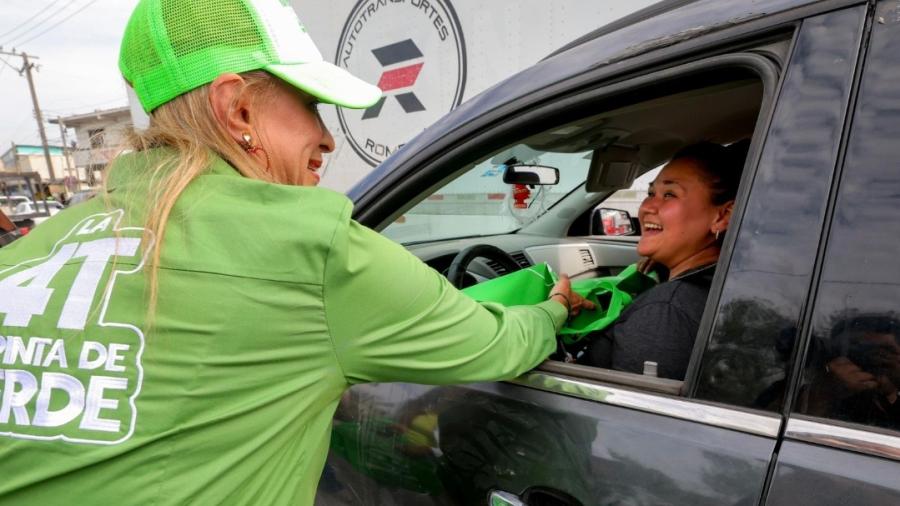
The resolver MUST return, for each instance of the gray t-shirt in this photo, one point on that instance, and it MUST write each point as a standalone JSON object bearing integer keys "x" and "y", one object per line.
{"x": 660, "y": 325}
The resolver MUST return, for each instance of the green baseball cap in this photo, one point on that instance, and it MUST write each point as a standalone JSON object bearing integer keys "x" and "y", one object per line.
{"x": 171, "y": 47}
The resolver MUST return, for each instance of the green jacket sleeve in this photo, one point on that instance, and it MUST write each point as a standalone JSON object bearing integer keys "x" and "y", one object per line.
{"x": 393, "y": 318}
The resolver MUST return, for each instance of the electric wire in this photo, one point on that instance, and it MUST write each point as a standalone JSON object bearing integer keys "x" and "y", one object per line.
{"x": 5, "y": 61}
{"x": 18, "y": 132}
{"x": 63, "y": 20}
{"x": 6, "y": 64}
{"x": 24, "y": 24}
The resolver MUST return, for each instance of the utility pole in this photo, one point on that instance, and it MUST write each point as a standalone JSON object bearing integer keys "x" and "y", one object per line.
{"x": 26, "y": 69}
{"x": 15, "y": 150}
{"x": 65, "y": 143}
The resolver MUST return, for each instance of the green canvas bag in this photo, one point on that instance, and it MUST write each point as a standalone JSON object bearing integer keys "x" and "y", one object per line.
{"x": 611, "y": 294}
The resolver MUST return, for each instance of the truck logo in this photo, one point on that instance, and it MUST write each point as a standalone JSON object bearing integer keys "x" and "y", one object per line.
{"x": 399, "y": 78}
{"x": 422, "y": 75}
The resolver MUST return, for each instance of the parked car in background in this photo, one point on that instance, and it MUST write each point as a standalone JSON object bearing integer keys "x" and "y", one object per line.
{"x": 38, "y": 212}
{"x": 8, "y": 203}
{"x": 806, "y": 289}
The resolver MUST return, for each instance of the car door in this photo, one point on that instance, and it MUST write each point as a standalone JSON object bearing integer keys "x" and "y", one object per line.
{"x": 572, "y": 435}
{"x": 842, "y": 440}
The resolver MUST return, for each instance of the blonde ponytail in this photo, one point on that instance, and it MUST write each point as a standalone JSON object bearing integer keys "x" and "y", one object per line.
{"x": 188, "y": 126}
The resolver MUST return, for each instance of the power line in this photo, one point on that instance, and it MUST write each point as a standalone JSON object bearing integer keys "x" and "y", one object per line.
{"x": 63, "y": 20}
{"x": 24, "y": 120}
{"x": 42, "y": 23}
{"x": 24, "y": 24}
{"x": 7, "y": 65}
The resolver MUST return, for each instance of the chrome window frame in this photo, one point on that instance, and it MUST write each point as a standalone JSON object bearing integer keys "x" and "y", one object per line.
{"x": 856, "y": 438}
{"x": 760, "y": 424}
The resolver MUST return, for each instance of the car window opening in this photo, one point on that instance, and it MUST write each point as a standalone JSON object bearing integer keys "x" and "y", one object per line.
{"x": 600, "y": 165}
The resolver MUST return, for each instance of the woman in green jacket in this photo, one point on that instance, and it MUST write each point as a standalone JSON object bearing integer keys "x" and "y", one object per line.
{"x": 185, "y": 337}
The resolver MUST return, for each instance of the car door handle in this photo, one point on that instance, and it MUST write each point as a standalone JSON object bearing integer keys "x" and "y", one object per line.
{"x": 501, "y": 498}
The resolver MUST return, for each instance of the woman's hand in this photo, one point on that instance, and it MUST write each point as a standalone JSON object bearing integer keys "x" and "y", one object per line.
{"x": 562, "y": 293}
{"x": 850, "y": 376}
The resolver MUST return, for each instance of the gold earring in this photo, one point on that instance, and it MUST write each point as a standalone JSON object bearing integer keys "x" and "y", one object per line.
{"x": 247, "y": 143}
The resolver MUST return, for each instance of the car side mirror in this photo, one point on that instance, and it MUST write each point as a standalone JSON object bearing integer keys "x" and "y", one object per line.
{"x": 612, "y": 222}
{"x": 531, "y": 174}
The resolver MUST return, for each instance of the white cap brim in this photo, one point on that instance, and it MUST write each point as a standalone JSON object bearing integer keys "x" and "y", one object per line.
{"x": 329, "y": 83}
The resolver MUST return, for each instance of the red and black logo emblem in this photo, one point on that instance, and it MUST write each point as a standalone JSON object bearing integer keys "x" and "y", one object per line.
{"x": 422, "y": 73}
{"x": 405, "y": 62}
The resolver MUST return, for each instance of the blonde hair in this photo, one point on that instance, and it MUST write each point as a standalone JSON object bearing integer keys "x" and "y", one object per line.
{"x": 188, "y": 126}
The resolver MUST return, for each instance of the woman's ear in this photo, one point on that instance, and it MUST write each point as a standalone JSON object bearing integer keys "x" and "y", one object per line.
{"x": 231, "y": 105}
{"x": 723, "y": 217}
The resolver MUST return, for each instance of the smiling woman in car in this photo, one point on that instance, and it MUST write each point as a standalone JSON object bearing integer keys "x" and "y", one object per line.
{"x": 683, "y": 222}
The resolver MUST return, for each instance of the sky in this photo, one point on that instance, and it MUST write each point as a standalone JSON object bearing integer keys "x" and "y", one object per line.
{"x": 78, "y": 69}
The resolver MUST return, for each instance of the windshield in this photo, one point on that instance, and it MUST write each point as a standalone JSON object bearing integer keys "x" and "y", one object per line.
{"x": 479, "y": 203}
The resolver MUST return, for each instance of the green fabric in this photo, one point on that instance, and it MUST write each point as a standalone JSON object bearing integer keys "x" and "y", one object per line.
{"x": 171, "y": 47}
{"x": 272, "y": 302}
{"x": 529, "y": 286}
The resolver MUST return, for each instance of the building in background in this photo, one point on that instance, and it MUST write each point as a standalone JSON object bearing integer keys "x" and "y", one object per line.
{"x": 99, "y": 136}
{"x": 21, "y": 158}
{"x": 24, "y": 173}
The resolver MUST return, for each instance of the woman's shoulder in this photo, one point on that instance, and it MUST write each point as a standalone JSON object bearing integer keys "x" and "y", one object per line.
{"x": 686, "y": 293}
{"x": 274, "y": 204}
{"x": 269, "y": 230}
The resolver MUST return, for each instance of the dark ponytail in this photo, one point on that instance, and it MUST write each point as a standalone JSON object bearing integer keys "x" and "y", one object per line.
{"x": 721, "y": 166}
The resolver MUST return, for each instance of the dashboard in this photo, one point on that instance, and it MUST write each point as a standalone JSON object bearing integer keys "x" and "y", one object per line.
{"x": 579, "y": 257}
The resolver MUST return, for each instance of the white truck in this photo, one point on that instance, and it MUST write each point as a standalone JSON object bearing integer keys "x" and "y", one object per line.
{"x": 429, "y": 56}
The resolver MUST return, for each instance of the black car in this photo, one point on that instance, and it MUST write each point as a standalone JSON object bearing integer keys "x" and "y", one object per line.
{"x": 808, "y": 274}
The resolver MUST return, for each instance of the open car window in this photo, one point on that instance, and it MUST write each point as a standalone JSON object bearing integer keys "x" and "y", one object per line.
{"x": 479, "y": 203}
{"x": 606, "y": 152}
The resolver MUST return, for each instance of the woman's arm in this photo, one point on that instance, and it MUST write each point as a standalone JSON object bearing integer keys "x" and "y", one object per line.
{"x": 393, "y": 318}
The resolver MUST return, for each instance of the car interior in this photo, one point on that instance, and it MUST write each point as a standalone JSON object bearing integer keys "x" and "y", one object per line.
{"x": 605, "y": 160}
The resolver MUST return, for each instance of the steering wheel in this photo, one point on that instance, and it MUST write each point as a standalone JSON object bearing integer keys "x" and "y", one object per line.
{"x": 457, "y": 272}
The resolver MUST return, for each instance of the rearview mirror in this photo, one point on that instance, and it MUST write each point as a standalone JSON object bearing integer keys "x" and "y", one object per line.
{"x": 615, "y": 222}
{"x": 531, "y": 174}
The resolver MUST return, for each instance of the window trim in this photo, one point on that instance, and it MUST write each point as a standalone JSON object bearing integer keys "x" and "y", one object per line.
{"x": 857, "y": 438}
{"x": 647, "y": 383}
{"x": 740, "y": 420}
